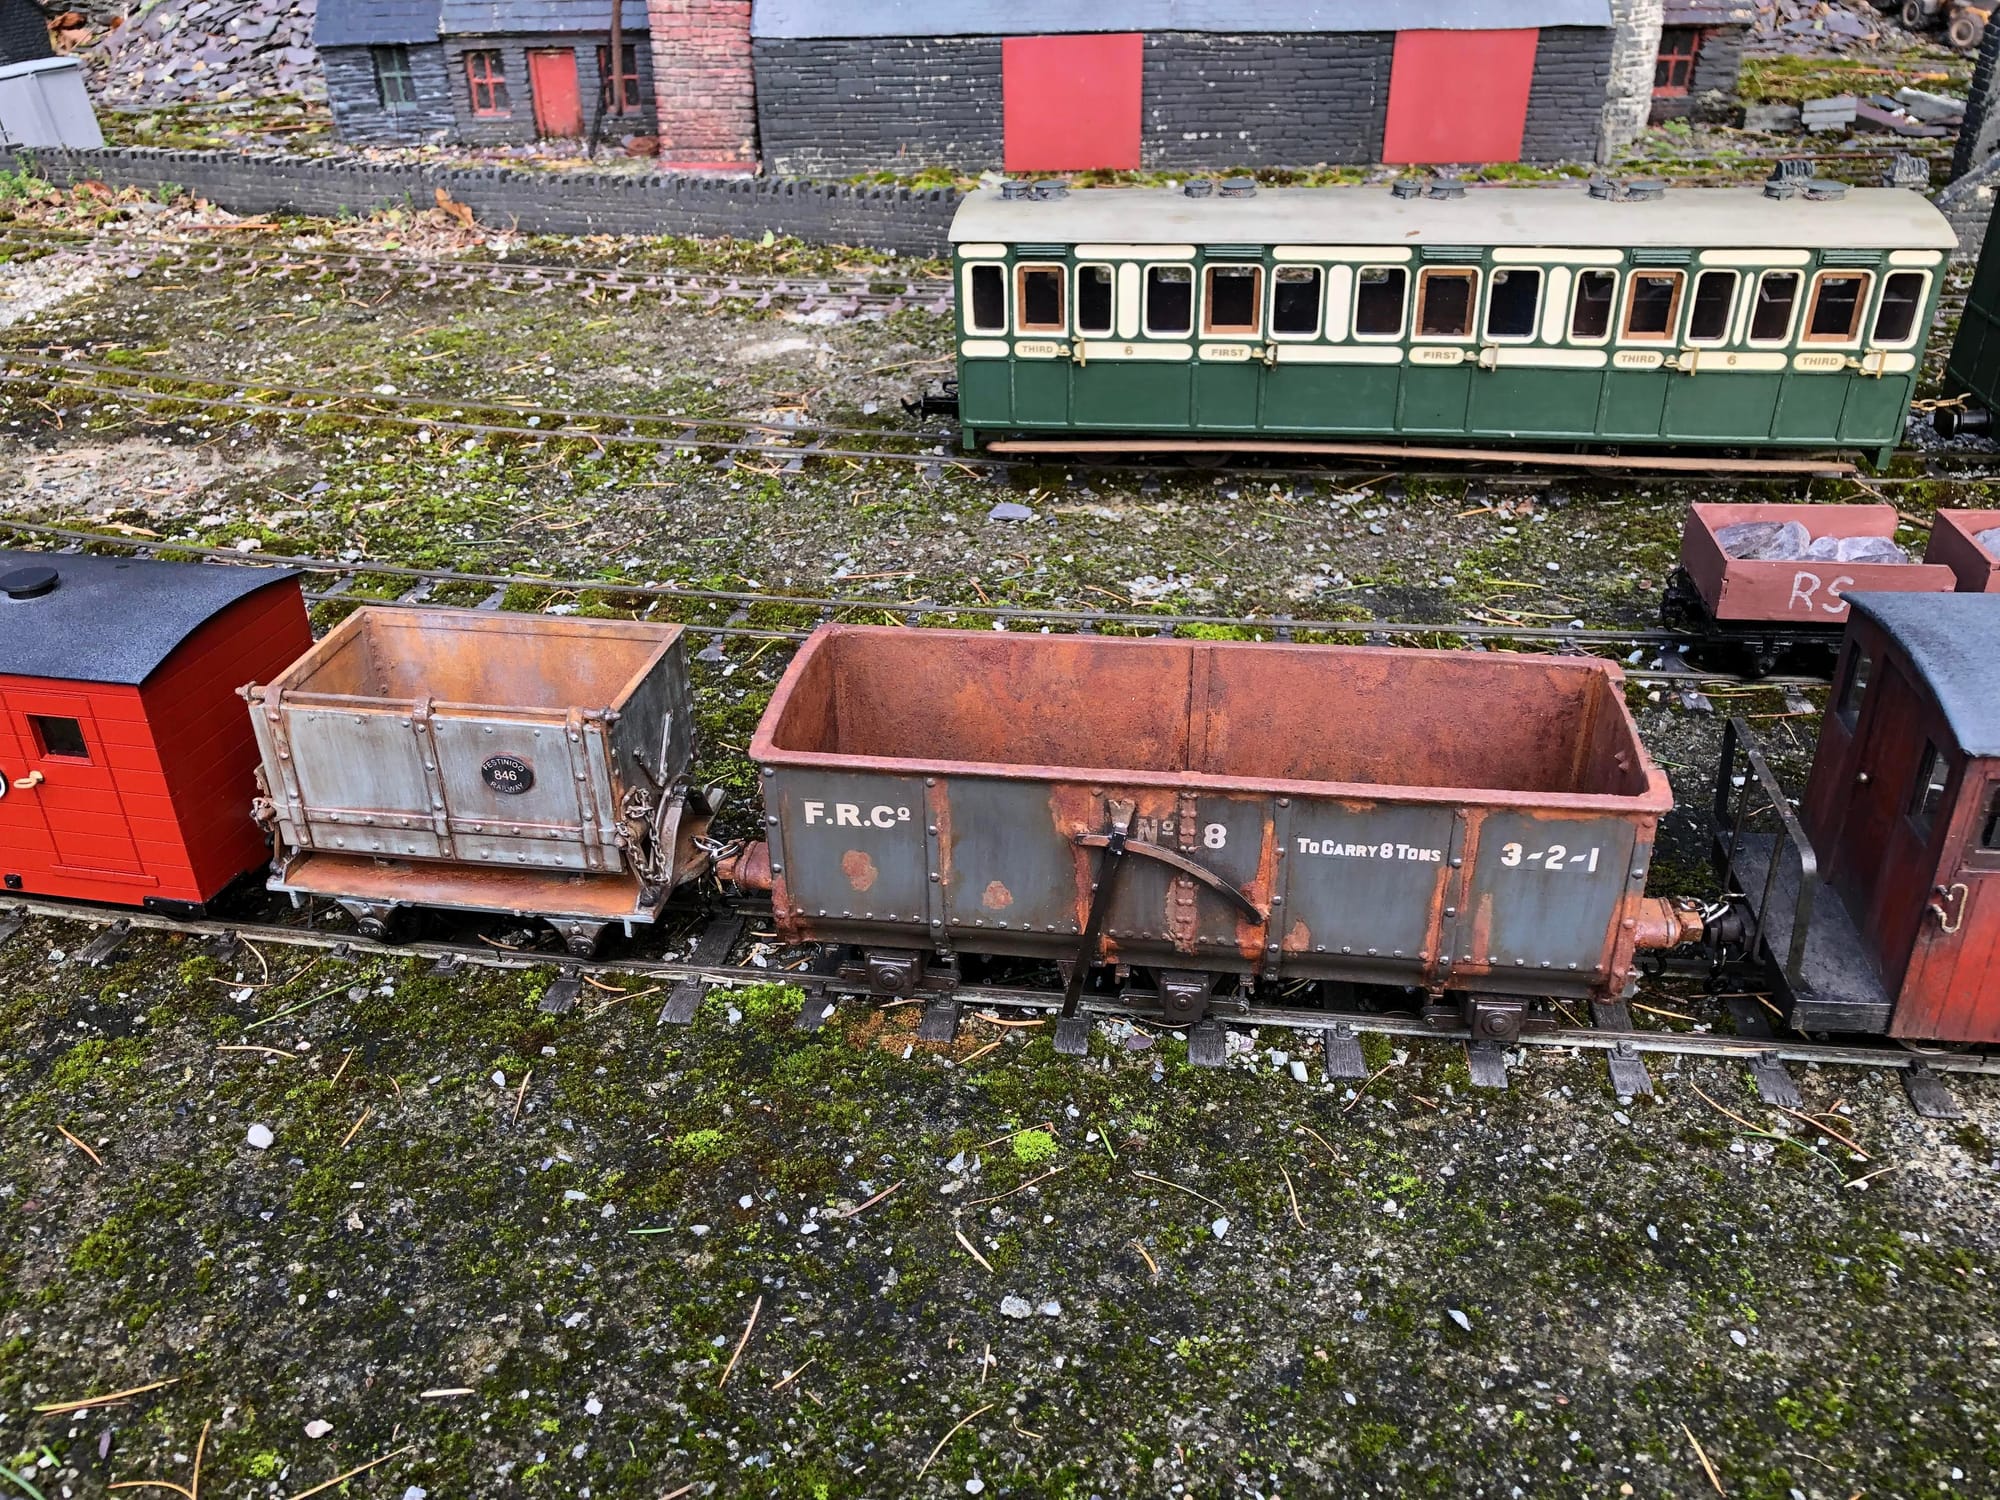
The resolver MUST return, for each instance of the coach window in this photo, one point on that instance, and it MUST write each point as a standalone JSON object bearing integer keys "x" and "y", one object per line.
{"x": 1590, "y": 312}
{"x": 60, "y": 737}
{"x": 987, "y": 299}
{"x": 1652, "y": 305}
{"x": 1927, "y": 796}
{"x": 1445, "y": 300}
{"x": 1902, "y": 297}
{"x": 1714, "y": 297}
{"x": 1038, "y": 299}
{"x": 1853, "y": 688}
{"x": 1169, "y": 301}
{"x": 1295, "y": 301}
{"x": 1094, "y": 300}
{"x": 1838, "y": 299}
{"x": 1379, "y": 295}
{"x": 1777, "y": 300}
{"x": 1513, "y": 305}
{"x": 1233, "y": 300}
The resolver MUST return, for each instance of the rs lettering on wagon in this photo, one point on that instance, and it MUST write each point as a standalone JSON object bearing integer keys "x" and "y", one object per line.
{"x": 854, "y": 815}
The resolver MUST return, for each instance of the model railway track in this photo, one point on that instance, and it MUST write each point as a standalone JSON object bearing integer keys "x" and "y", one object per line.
{"x": 782, "y": 447}
{"x": 331, "y": 581}
{"x": 846, "y": 295}
{"x": 712, "y": 964}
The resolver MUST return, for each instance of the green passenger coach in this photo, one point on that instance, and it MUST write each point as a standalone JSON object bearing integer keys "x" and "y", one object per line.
{"x": 1788, "y": 317}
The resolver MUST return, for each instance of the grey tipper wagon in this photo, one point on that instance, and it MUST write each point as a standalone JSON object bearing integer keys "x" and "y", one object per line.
{"x": 445, "y": 758}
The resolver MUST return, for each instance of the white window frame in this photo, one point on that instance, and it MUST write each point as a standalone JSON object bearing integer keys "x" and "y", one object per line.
{"x": 1485, "y": 319}
{"x": 1570, "y": 335}
{"x": 1110, "y": 330}
{"x": 1916, "y": 332}
{"x": 1798, "y": 305}
{"x": 965, "y": 291}
{"x": 1354, "y": 305}
{"x": 1271, "y": 303}
{"x": 1729, "y": 316}
{"x": 1146, "y": 329}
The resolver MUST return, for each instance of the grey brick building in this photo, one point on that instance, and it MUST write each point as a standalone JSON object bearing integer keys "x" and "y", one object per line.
{"x": 1700, "y": 55}
{"x": 385, "y": 73}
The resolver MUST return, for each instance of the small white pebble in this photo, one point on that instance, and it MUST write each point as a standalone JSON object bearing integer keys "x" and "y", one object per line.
{"x": 499, "y": 1079}
{"x": 975, "y": 1486}
{"x": 592, "y": 1407}
{"x": 1220, "y": 1228}
{"x": 317, "y": 1428}
{"x": 260, "y": 1136}
{"x": 1737, "y": 1337}
{"x": 697, "y": 1230}
{"x": 1460, "y": 1319}
{"x": 746, "y": 1201}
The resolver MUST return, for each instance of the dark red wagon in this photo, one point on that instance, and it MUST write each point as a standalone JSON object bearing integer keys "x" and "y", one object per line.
{"x": 129, "y": 768}
{"x": 1879, "y": 904}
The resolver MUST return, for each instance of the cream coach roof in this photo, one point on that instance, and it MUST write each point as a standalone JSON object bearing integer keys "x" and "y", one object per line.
{"x": 1685, "y": 218}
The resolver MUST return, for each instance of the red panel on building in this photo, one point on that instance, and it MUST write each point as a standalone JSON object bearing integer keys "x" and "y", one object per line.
{"x": 1459, "y": 96}
{"x": 1072, "y": 102}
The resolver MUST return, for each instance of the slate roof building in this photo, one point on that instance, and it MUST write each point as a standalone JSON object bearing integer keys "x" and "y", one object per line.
{"x": 836, "y": 87}
{"x": 487, "y": 71}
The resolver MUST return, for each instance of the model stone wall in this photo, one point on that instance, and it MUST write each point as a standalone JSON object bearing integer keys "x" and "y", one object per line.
{"x": 519, "y": 124}
{"x": 837, "y": 106}
{"x": 1218, "y": 101}
{"x": 356, "y": 99}
{"x": 1566, "y": 98}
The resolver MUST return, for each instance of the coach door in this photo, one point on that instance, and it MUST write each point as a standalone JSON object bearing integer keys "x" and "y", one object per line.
{"x": 1953, "y": 989}
{"x": 59, "y": 766}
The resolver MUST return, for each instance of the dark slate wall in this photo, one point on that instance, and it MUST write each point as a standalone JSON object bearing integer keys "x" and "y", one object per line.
{"x": 861, "y": 104}
{"x": 1269, "y": 100}
{"x": 519, "y": 125}
{"x": 1566, "y": 98}
{"x": 1712, "y": 93}
{"x": 24, "y": 32}
{"x": 903, "y": 220}
{"x": 357, "y": 103}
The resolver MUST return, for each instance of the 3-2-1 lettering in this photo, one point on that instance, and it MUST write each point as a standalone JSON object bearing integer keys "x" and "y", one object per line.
{"x": 1555, "y": 857}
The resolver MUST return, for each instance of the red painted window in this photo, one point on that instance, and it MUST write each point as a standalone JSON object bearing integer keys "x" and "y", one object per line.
{"x": 1072, "y": 102}
{"x": 1459, "y": 96}
{"x": 489, "y": 85}
{"x": 623, "y": 97}
{"x": 1673, "y": 74}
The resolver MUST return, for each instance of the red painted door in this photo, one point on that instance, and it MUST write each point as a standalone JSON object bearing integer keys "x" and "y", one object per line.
{"x": 1953, "y": 990}
{"x": 1072, "y": 102}
{"x": 60, "y": 747}
{"x": 1459, "y": 96}
{"x": 1881, "y": 861}
{"x": 552, "y": 80}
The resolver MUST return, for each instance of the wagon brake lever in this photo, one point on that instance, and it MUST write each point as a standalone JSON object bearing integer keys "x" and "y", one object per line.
{"x": 1185, "y": 865}
{"x": 1072, "y": 1031}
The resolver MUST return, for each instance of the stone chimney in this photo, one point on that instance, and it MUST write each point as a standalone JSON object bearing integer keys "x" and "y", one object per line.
{"x": 1635, "y": 53}
{"x": 704, "y": 89}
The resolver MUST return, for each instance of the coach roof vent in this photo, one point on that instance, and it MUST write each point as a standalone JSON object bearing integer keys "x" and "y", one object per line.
{"x": 1011, "y": 189}
{"x": 1445, "y": 187}
{"x": 1238, "y": 187}
{"x": 29, "y": 583}
{"x": 1199, "y": 187}
{"x": 1825, "y": 192}
{"x": 1626, "y": 192}
{"x": 1407, "y": 187}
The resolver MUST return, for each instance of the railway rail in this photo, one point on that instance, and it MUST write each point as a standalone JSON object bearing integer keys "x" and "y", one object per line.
{"x": 790, "y": 446}
{"x": 330, "y": 580}
{"x": 845, "y": 294}
{"x": 713, "y": 961}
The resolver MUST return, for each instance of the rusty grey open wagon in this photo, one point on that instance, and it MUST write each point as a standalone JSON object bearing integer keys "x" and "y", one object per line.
{"x": 495, "y": 763}
{"x": 1477, "y": 826}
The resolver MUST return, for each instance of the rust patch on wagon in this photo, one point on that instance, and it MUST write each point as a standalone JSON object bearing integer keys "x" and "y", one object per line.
{"x": 859, "y": 869}
{"x": 996, "y": 897}
{"x": 1299, "y": 938}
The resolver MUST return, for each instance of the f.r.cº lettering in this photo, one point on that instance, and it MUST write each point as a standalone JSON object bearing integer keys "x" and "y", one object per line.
{"x": 853, "y": 815}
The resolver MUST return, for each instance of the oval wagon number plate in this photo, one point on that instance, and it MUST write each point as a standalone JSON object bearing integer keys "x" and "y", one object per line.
{"x": 508, "y": 774}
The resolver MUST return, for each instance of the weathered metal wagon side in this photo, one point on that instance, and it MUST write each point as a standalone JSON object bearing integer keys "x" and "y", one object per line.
{"x": 445, "y": 758}
{"x": 1955, "y": 544}
{"x": 1472, "y": 823}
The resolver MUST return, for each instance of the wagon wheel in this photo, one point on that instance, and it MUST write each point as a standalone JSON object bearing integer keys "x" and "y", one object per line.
{"x": 1966, "y": 31}
{"x": 1916, "y": 15}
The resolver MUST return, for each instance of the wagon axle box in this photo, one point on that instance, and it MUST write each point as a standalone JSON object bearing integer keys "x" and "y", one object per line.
{"x": 443, "y": 758}
{"x": 1436, "y": 819}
